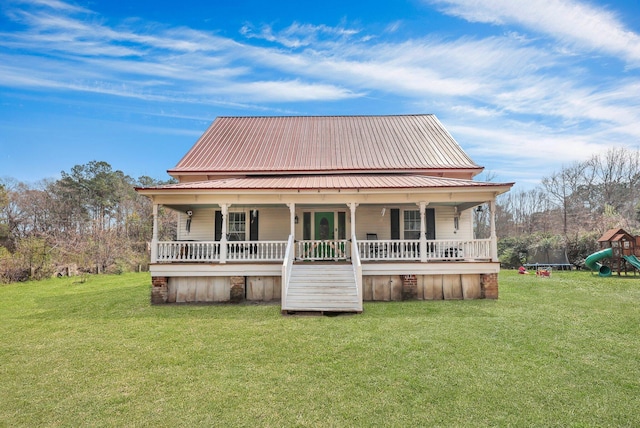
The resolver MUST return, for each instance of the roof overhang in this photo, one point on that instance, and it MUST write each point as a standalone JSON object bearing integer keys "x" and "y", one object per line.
{"x": 325, "y": 189}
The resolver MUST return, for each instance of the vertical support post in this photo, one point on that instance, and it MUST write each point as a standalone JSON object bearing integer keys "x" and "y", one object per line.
{"x": 224, "y": 209}
{"x": 352, "y": 208}
{"x": 423, "y": 231}
{"x": 292, "y": 219}
{"x": 154, "y": 239}
{"x": 494, "y": 237}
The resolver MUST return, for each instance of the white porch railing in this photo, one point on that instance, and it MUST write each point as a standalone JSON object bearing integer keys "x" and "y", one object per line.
{"x": 335, "y": 249}
{"x": 390, "y": 249}
{"x": 266, "y": 251}
{"x": 438, "y": 249}
{"x": 209, "y": 251}
{"x": 188, "y": 251}
{"x": 341, "y": 249}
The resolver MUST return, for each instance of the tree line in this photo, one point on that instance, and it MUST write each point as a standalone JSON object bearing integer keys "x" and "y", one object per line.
{"x": 89, "y": 220}
{"x": 92, "y": 220}
{"x": 571, "y": 208}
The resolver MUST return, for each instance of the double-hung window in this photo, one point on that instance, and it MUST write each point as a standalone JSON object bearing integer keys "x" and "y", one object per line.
{"x": 237, "y": 226}
{"x": 412, "y": 224}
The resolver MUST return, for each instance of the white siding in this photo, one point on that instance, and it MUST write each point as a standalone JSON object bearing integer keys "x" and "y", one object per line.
{"x": 274, "y": 224}
{"x": 202, "y": 225}
{"x": 445, "y": 224}
{"x": 369, "y": 219}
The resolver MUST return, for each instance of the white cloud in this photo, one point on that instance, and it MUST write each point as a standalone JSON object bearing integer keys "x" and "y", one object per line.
{"x": 284, "y": 91}
{"x": 572, "y": 22}
{"x": 298, "y": 35}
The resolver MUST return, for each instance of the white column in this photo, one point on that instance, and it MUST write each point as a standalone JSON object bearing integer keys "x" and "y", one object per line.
{"x": 352, "y": 208}
{"x": 423, "y": 231}
{"x": 494, "y": 237}
{"x": 154, "y": 239}
{"x": 224, "y": 208}
{"x": 292, "y": 219}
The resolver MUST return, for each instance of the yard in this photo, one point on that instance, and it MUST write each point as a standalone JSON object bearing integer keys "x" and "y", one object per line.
{"x": 559, "y": 351}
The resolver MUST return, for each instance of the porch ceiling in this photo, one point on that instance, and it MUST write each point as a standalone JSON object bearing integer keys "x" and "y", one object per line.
{"x": 184, "y": 207}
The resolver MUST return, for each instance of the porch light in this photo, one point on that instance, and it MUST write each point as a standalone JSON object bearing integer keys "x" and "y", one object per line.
{"x": 295, "y": 220}
{"x": 188, "y": 225}
{"x": 384, "y": 210}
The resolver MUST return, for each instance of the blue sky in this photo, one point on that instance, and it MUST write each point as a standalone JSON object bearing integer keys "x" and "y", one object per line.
{"x": 524, "y": 86}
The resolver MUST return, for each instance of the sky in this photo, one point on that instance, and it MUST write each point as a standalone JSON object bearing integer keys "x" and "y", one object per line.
{"x": 525, "y": 87}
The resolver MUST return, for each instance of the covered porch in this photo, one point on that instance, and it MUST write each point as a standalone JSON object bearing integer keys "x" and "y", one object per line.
{"x": 319, "y": 233}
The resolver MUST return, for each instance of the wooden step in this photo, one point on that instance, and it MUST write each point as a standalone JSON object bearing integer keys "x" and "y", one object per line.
{"x": 321, "y": 288}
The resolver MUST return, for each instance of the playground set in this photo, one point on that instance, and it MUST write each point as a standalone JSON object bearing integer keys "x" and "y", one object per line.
{"x": 621, "y": 251}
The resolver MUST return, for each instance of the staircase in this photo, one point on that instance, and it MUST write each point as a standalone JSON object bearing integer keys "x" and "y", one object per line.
{"x": 322, "y": 288}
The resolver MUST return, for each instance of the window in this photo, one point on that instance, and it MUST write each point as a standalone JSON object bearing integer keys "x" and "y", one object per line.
{"x": 237, "y": 226}
{"x": 306, "y": 226}
{"x": 412, "y": 224}
{"x": 342, "y": 225}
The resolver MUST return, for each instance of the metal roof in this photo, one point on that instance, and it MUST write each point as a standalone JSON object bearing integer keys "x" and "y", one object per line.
{"x": 333, "y": 182}
{"x": 324, "y": 144}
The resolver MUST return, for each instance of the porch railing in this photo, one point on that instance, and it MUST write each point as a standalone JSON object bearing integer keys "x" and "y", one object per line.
{"x": 268, "y": 251}
{"x": 209, "y": 251}
{"x": 334, "y": 249}
{"x": 437, "y": 249}
{"x": 188, "y": 251}
{"x": 312, "y": 250}
{"x": 390, "y": 249}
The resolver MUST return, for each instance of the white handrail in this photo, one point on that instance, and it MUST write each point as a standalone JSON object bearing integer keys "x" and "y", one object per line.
{"x": 357, "y": 267}
{"x": 287, "y": 265}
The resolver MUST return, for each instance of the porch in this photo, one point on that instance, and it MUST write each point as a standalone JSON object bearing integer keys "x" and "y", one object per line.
{"x": 337, "y": 255}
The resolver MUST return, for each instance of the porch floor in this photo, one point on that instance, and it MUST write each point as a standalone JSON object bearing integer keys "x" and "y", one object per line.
{"x": 321, "y": 287}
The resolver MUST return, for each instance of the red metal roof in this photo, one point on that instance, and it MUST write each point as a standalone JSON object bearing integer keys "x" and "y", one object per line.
{"x": 345, "y": 182}
{"x": 322, "y": 144}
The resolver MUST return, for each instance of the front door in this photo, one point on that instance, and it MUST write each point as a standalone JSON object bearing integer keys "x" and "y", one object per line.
{"x": 324, "y": 231}
{"x": 324, "y": 226}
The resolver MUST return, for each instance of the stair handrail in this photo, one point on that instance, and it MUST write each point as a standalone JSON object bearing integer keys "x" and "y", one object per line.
{"x": 357, "y": 267}
{"x": 287, "y": 265}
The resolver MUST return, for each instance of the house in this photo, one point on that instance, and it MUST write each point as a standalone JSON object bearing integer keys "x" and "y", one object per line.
{"x": 323, "y": 213}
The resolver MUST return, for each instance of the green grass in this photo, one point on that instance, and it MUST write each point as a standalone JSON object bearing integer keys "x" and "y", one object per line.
{"x": 563, "y": 351}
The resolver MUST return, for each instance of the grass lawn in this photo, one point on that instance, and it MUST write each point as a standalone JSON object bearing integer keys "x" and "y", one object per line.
{"x": 563, "y": 351}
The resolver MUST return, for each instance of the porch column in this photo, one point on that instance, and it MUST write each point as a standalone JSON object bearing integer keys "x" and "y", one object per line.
{"x": 494, "y": 237}
{"x": 292, "y": 219}
{"x": 224, "y": 209}
{"x": 352, "y": 208}
{"x": 154, "y": 239}
{"x": 423, "y": 231}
